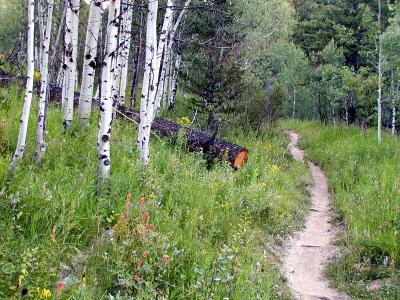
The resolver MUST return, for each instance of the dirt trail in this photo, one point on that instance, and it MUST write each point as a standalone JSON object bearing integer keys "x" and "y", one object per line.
{"x": 312, "y": 247}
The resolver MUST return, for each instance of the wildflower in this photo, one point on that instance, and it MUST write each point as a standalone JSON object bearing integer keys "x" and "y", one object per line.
{"x": 144, "y": 254}
{"x": 136, "y": 277}
{"x": 165, "y": 259}
{"x": 139, "y": 263}
{"x": 275, "y": 168}
{"x": 60, "y": 285}
{"x": 149, "y": 226}
{"x": 141, "y": 200}
{"x": 145, "y": 216}
{"x": 183, "y": 121}
{"x": 45, "y": 293}
{"x": 129, "y": 196}
{"x": 36, "y": 75}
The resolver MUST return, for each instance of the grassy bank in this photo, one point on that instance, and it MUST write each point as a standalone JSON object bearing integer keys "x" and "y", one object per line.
{"x": 364, "y": 180}
{"x": 195, "y": 233}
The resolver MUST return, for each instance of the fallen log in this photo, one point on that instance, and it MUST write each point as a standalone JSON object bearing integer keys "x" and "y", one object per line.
{"x": 197, "y": 140}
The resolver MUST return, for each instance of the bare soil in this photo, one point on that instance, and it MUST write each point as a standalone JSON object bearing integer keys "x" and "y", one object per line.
{"x": 311, "y": 248}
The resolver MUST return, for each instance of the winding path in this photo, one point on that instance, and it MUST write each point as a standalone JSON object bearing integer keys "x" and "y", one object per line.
{"x": 312, "y": 247}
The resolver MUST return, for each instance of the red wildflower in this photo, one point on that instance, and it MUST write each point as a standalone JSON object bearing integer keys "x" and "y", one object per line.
{"x": 144, "y": 254}
{"x": 141, "y": 200}
{"x": 128, "y": 197}
{"x": 145, "y": 216}
{"x": 139, "y": 263}
{"x": 149, "y": 226}
{"x": 60, "y": 285}
{"x": 136, "y": 277}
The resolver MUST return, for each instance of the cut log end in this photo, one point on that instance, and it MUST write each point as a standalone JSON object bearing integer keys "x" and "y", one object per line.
{"x": 240, "y": 159}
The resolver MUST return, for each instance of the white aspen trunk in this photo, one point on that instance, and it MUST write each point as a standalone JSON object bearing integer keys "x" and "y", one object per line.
{"x": 174, "y": 81}
{"x": 162, "y": 44}
{"x": 147, "y": 106}
{"x": 294, "y": 103}
{"x": 165, "y": 78}
{"x": 40, "y": 12}
{"x": 71, "y": 54}
{"x": 106, "y": 105}
{"x": 138, "y": 58}
{"x": 393, "y": 96}
{"x": 20, "y": 149}
{"x": 44, "y": 76}
{"x": 393, "y": 120}
{"x": 57, "y": 40}
{"x": 167, "y": 75}
{"x": 126, "y": 37}
{"x": 90, "y": 61}
{"x": 380, "y": 76}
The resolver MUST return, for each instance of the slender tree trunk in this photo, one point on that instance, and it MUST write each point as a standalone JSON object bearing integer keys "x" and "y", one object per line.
{"x": 57, "y": 41}
{"x": 106, "y": 104}
{"x": 138, "y": 56}
{"x": 71, "y": 54}
{"x": 44, "y": 76}
{"x": 162, "y": 44}
{"x": 380, "y": 75}
{"x": 165, "y": 78}
{"x": 294, "y": 103}
{"x": 20, "y": 149}
{"x": 175, "y": 75}
{"x": 126, "y": 47}
{"x": 146, "y": 105}
{"x": 393, "y": 96}
{"x": 90, "y": 61}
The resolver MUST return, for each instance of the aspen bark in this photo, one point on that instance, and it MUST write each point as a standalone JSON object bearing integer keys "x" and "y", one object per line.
{"x": 174, "y": 81}
{"x": 165, "y": 77}
{"x": 126, "y": 46}
{"x": 106, "y": 105}
{"x": 44, "y": 76}
{"x": 148, "y": 85}
{"x": 70, "y": 56}
{"x": 138, "y": 57}
{"x": 162, "y": 44}
{"x": 20, "y": 149}
{"x": 379, "y": 100}
{"x": 90, "y": 61}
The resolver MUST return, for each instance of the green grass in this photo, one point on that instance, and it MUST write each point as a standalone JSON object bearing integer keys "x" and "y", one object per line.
{"x": 214, "y": 225}
{"x": 364, "y": 179}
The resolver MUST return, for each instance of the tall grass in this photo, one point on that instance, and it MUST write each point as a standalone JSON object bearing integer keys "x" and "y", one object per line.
{"x": 197, "y": 233}
{"x": 364, "y": 179}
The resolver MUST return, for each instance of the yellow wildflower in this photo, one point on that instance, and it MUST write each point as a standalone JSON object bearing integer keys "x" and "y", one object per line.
{"x": 36, "y": 75}
{"x": 183, "y": 121}
{"x": 45, "y": 293}
{"x": 275, "y": 168}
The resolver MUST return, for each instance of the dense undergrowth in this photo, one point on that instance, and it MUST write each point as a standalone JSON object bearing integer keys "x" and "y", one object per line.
{"x": 186, "y": 233}
{"x": 364, "y": 179}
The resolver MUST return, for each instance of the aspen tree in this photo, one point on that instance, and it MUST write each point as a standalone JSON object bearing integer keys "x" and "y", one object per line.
{"x": 138, "y": 56}
{"x": 148, "y": 85}
{"x": 44, "y": 77}
{"x": 90, "y": 61}
{"x": 20, "y": 149}
{"x": 380, "y": 58}
{"x": 165, "y": 78}
{"x": 162, "y": 44}
{"x": 106, "y": 105}
{"x": 125, "y": 50}
{"x": 70, "y": 57}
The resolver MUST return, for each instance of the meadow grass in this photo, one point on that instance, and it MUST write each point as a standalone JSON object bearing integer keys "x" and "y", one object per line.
{"x": 196, "y": 234}
{"x": 364, "y": 180}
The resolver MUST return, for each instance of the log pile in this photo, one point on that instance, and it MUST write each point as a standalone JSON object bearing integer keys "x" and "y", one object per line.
{"x": 197, "y": 140}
